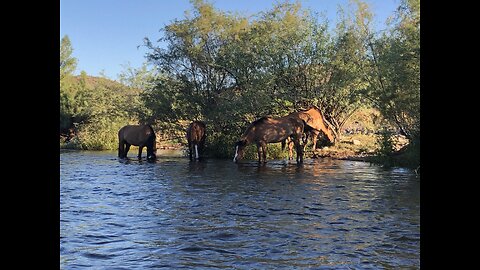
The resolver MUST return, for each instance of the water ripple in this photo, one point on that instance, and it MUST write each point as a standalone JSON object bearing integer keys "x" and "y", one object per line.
{"x": 325, "y": 214}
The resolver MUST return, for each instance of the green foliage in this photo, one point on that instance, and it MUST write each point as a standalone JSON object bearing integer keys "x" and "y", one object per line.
{"x": 67, "y": 66}
{"x": 95, "y": 108}
{"x": 343, "y": 92}
{"x": 68, "y": 63}
{"x": 220, "y": 145}
{"x": 386, "y": 143}
{"x": 228, "y": 70}
{"x": 408, "y": 156}
{"x": 395, "y": 72}
{"x": 274, "y": 151}
{"x": 99, "y": 135}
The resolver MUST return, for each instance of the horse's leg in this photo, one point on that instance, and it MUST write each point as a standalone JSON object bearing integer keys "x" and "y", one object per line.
{"x": 140, "y": 149}
{"x": 149, "y": 152}
{"x": 190, "y": 150}
{"x": 305, "y": 137}
{"x": 284, "y": 143}
{"x": 315, "y": 138}
{"x": 290, "y": 150}
{"x": 264, "y": 150}
{"x": 121, "y": 149}
{"x": 127, "y": 147}
{"x": 299, "y": 148}
{"x": 196, "y": 152}
{"x": 259, "y": 152}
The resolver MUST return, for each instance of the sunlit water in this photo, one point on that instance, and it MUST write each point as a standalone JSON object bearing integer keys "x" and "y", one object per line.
{"x": 324, "y": 214}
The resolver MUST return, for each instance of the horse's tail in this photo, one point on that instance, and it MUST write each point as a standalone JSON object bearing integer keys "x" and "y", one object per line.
{"x": 120, "y": 143}
{"x": 120, "y": 149}
{"x": 284, "y": 142}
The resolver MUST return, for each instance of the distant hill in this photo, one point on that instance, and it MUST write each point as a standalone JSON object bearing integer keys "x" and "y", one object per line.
{"x": 92, "y": 82}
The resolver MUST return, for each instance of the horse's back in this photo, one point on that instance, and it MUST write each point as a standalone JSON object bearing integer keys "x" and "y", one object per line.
{"x": 136, "y": 134}
{"x": 272, "y": 130}
{"x": 196, "y": 131}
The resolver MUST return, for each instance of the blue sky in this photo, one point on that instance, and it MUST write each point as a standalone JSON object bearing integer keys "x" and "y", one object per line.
{"x": 105, "y": 34}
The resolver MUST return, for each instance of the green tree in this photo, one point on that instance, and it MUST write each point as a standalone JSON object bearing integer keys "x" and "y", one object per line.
{"x": 343, "y": 91}
{"x": 68, "y": 63}
{"x": 395, "y": 72}
{"x": 101, "y": 106}
{"x": 194, "y": 79}
{"x": 67, "y": 66}
{"x": 228, "y": 69}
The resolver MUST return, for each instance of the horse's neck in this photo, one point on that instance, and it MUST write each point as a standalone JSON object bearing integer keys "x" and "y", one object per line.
{"x": 248, "y": 137}
{"x": 324, "y": 127}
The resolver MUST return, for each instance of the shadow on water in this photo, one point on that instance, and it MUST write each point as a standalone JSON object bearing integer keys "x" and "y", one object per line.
{"x": 177, "y": 213}
{"x": 128, "y": 160}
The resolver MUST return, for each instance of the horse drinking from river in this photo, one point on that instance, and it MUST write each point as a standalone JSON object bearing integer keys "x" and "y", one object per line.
{"x": 315, "y": 123}
{"x": 196, "y": 134}
{"x": 271, "y": 130}
{"x": 138, "y": 135}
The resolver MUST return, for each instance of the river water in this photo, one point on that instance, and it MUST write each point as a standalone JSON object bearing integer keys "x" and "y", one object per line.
{"x": 174, "y": 214}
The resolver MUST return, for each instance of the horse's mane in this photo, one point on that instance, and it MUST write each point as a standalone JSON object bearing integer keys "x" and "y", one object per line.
{"x": 253, "y": 124}
{"x": 259, "y": 120}
{"x": 200, "y": 123}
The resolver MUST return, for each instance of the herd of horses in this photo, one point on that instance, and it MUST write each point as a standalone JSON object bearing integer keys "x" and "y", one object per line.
{"x": 293, "y": 129}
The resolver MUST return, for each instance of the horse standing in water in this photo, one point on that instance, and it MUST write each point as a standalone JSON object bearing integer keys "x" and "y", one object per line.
{"x": 271, "y": 130}
{"x": 196, "y": 134}
{"x": 138, "y": 135}
{"x": 314, "y": 124}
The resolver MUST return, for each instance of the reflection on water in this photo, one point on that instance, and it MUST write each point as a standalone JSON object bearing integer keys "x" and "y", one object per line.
{"x": 173, "y": 213}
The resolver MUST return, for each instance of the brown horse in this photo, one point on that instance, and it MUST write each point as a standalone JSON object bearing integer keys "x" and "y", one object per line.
{"x": 271, "y": 130}
{"x": 314, "y": 124}
{"x": 138, "y": 135}
{"x": 196, "y": 134}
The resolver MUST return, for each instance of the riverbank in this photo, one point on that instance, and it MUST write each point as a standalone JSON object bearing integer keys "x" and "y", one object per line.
{"x": 360, "y": 147}
{"x": 355, "y": 147}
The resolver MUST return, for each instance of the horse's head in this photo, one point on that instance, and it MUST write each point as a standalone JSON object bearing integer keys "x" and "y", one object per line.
{"x": 239, "y": 147}
{"x": 151, "y": 157}
{"x": 152, "y": 154}
{"x": 331, "y": 136}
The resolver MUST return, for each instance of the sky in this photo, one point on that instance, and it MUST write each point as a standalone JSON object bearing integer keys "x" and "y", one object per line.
{"x": 107, "y": 35}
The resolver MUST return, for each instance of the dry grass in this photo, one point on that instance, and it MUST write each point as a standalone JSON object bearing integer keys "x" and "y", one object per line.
{"x": 355, "y": 147}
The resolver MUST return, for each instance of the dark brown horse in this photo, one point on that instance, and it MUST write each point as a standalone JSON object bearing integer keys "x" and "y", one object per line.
{"x": 271, "y": 130}
{"x": 196, "y": 134}
{"x": 138, "y": 135}
{"x": 314, "y": 124}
